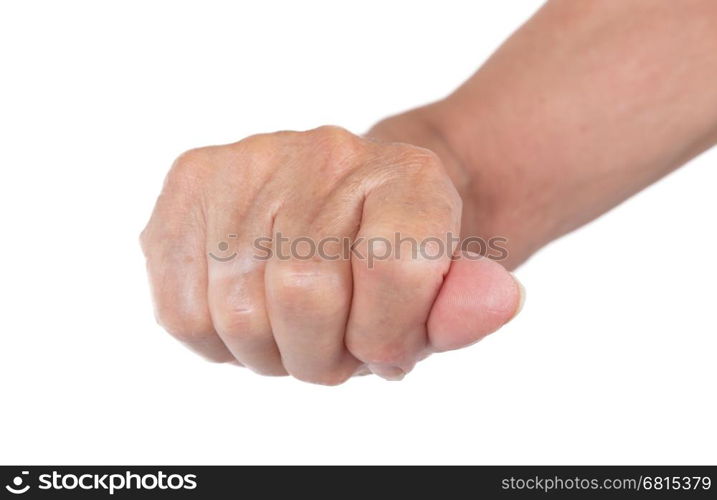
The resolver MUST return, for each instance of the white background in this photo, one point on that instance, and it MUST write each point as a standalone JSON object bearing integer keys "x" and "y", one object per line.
{"x": 611, "y": 361}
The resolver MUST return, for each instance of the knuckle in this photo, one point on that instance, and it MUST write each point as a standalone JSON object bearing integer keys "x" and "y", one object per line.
{"x": 333, "y": 134}
{"x": 189, "y": 171}
{"x": 414, "y": 158}
{"x": 185, "y": 326}
{"x": 415, "y": 266}
{"x": 256, "y": 144}
{"x": 255, "y": 154}
{"x": 175, "y": 310}
{"x": 144, "y": 241}
{"x": 191, "y": 161}
{"x": 424, "y": 168}
{"x": 294, "y": 284}
{"x": 337, "y": 141}
{"x": 151, "y": 242}
{"x": 301, "y": 288}
{"x": 237, "y": 322}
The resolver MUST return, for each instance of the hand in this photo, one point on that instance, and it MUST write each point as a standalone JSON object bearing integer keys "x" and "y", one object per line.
{"x": 222, "y": 288}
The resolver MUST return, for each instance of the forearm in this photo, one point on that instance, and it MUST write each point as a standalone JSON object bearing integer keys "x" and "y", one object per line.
{"x": 583, "y": 106}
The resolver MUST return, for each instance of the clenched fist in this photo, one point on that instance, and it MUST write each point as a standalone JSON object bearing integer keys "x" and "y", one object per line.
{"x": 318, "y": 254}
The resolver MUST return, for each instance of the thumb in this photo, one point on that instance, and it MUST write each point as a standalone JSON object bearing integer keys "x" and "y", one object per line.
{"x": 477, "y": 297}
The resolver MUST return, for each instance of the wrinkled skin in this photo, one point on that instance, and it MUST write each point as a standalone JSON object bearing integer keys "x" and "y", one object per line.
{"x": 319, "y": 320}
